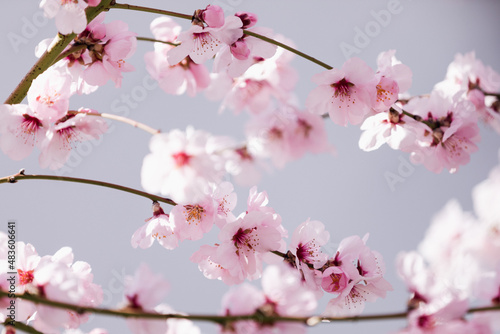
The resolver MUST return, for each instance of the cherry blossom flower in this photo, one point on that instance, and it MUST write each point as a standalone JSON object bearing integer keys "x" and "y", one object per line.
{"x": 65, "y": 133}
{"x": 49, "y": 95}
{"x": 283, "y": 295}
{"x": 57, "y": 278}
{"x": 143, "y": 292}
{"x": 186, "y": 76}
{"x": 159, "y": 227}
{"x": 392, "y": 128}
{"x": 180, "y": 166}
{"x": 265, "y": 82}
{"x": 356, "y": 277}
{"x": 20, "y": 130}
{"x": 470, "y": 76}
{"x": 452, "y": 134}
{"x": 246, "y": 51}
{"x": 105, "y": 49}
{"x": 394, "y": 78}
{"x": 346, "y": 94}
{"x": 225, "y": 199}
{"x": 306, "y": 243}
{"x": 192, "y": 221}
{"x": 202, "y": 42}
{"x": 69, "y": 15}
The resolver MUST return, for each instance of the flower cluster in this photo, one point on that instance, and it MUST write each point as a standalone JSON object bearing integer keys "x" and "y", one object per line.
{"x": 54, "y": 277}
{"x": 456, "y": 266}
{"x": 46, "y": 122}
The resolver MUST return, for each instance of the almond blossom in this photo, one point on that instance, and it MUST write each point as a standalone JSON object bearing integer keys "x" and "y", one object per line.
{"x": 246, "y": 51}
{"x": 180, "y": 165}
{"x": 65, "y": 133}
{"x": 473, "y": 79}
{"x": 265, "y": 85}
{"x": 451, "y": 135}
{"x": 143, "y": 292}
{"x": 355, "y": 276}
{"x": 243, "y": 243}
{"x": 159, "y": 227}
{"x": 283, "y": 295}
{"x": 202, "y": 42}
{"x": 186, "y": 76}
{"x": 346, "y": 94}
{"x": 54, "y": 277}
{"x": 394, "y": 78}
{"x": 106, "y": 46}
{"x": 20, "y": 130}
{"x": 393, "y": 128}
{"x": 69, "y": 15}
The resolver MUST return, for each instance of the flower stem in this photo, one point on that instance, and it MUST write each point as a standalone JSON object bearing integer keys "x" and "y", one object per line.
{"x": 151, "y": 10}
{"x": 289, "y": 48}
{"x": 147, "y": 39}
{"x": 129, "y": 121}
{"x": 247, "y": 32}
{"x": 49, "y": 57}
{"x": 21, "y": 176}
{"x": 222, "y": 320}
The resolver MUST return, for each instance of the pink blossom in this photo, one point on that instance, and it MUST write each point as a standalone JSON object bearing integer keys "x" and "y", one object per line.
{"x": 20, "y": 130}
{"x": 201, "y": 42}
{"x": 306, "y": 243}
{"x": 143, "y": 292}
{"x": 265, "y": 82}
{"x": 451, "y": 136}
{"x": 49, "y": 95}
{"x": 180, "y": 166}
{"x": 65, "y": 133}
{"x": 192, "y": 221}
{"x": 70, "y": 15}
{"x": 213, "y": 270}
{"x": 357, "y": 277}
{"x": 346, "y": 94}
{"x": 213, "y": 16}
{"x": 159, "y": 227}
{"x": 392, "y": 128}
{"x": 56, "y": 278}
{"x": 186, "y": 76}
{"x": 470, "y": 76}
{"x": 285, "y": 135}
{"x": 244, "y": 242}
{"x": 393, "y": 78}
{"x": 283, "y": 295}
{"x": 107, "y": 57}
{"x": 243, "y": 53}
{"x": 225, "y": 200}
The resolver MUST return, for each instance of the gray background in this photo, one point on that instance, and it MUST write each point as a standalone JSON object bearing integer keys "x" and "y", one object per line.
{"x": 348, "y": 193}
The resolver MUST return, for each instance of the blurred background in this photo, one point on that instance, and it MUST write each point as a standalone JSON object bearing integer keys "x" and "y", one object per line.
{"x": 348, "y": 192}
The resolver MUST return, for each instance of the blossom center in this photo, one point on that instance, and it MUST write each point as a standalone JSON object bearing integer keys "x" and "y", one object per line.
{"x": 181, "y": 159}
{"x": 342, "y": 88}
{"x": 194, "y": 213}
{"x": 30, "y": 124}
{"x": 244, "y": 238}
{"x": 25, "y": 277}
{"x": 304, "y": 127}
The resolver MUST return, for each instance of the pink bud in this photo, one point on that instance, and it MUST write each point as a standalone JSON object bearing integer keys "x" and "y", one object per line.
{"x": 213, "y": 16}
{"x": 248, "y": 19}
{"x": 334, "y": 280}
{"x": 240, "y": 50}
